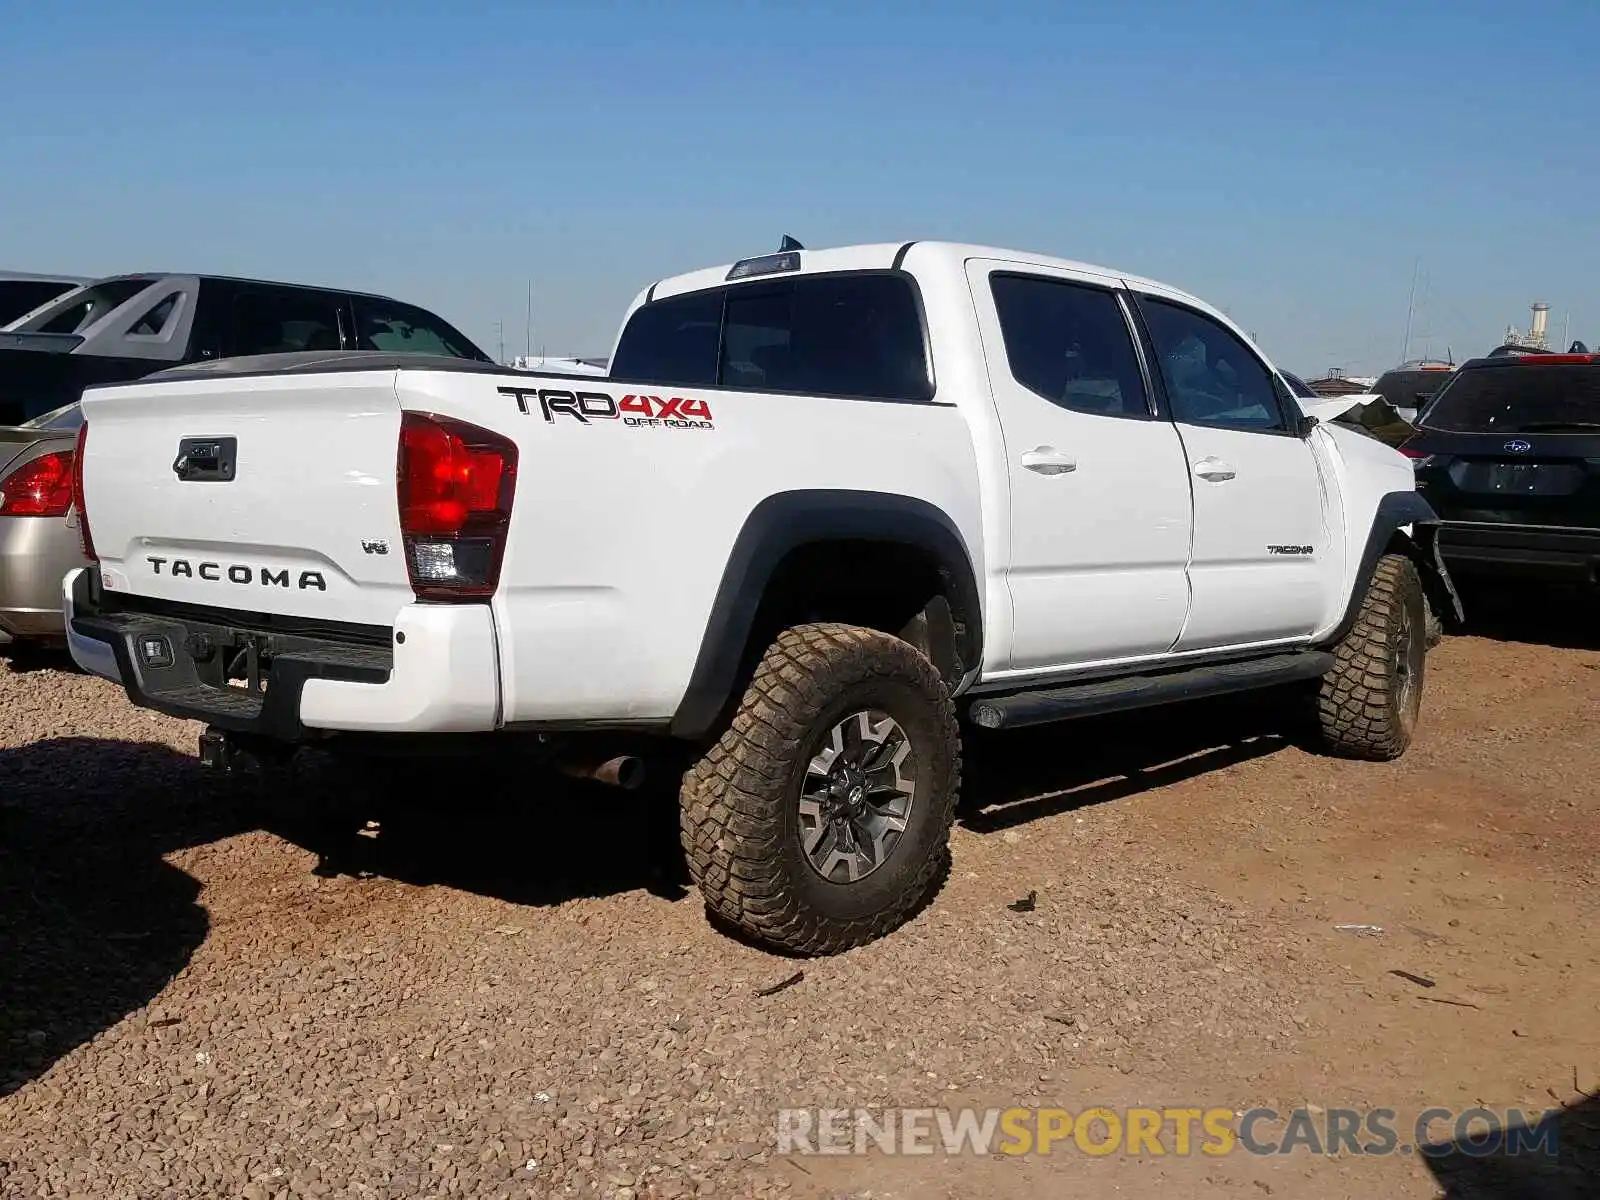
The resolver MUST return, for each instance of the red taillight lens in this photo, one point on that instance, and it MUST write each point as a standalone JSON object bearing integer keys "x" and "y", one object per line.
{"x": 1419, "y": 458}
{"x": 41, "y": 487}
{"x": 82, "y": 448}
{"x": 456, "y": 483}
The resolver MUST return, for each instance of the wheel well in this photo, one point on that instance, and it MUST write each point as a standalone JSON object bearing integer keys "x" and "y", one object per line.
{"x": 889, "y": 586}
{"x": 1435, "y": 586}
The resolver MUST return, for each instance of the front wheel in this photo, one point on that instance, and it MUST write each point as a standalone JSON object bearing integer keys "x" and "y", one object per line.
{"x": 820, "y": 818}
{"x": 1367, "y": 705}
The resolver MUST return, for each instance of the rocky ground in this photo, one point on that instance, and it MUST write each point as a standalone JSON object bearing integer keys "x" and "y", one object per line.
{"x": 507, "y": 991}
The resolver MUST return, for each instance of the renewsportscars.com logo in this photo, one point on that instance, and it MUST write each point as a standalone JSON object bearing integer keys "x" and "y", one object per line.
{"x": 1180, "y": 1132}
{"x": 671, "y": 412}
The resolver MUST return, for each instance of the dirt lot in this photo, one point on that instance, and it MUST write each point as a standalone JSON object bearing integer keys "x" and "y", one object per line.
{"x": 507, "y": 991}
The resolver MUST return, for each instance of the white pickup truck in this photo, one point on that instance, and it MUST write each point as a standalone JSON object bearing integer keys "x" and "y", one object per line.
{"x": 826, "y": 504}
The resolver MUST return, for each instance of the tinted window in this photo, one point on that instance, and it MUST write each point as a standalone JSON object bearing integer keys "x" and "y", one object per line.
{"x": 833, "y": 335}
{"x": 154, "y": 321}
{"x": 757, "y": 341}
{"x": 1526, "y": 399}
{"x": 402, "y": 329}
{"x": 1410, "y": 389}
{"x": 281, "y": 322}
{"x": 1069, "y": 344}
{"x": 1300, "y": 387}
{"x": 1211, "y": 377}
{"x": 21, "y": 296}
{"x": 672, "y": 341}
{"x": 90, "y": 305}
{"x": 858, "y": 335}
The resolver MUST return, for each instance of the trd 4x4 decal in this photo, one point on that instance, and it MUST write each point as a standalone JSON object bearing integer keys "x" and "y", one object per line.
{"x": 675, "y": 412}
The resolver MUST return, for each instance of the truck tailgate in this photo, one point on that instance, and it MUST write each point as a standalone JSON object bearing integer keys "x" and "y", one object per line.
{"x": 295, "y": 516}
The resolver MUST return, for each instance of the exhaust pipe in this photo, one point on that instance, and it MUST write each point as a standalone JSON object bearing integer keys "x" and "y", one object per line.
{"x": 626, "y": 771}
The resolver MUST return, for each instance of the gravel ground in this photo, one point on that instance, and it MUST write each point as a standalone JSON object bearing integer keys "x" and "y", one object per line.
{"x": 524, "y": 1000}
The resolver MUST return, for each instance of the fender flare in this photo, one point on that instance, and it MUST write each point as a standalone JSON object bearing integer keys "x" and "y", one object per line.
{"x": 787, "y": 521}
{"x": 1394, "y": 512}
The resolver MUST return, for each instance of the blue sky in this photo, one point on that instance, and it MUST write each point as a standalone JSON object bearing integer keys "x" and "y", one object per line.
{"x": 1290, "y": 164}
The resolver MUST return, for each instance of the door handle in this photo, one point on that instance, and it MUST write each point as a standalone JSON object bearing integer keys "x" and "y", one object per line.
{"x": 1047, "y": 460}
{"x": 1214, "y": 470}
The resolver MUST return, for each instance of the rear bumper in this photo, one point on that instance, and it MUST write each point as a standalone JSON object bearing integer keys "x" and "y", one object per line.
{"x": 437, "y": 674}
{"x": 35, "y": 552}
{"x": 1528, "y": 550}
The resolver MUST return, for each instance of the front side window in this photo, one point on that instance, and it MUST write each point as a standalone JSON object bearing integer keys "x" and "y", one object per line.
{"x": 1212, "y": 378}
{"x": 1070, "y": 344}
{"x": 856, "y": 335}
{"x": 402, "y": 329}
{"x": 283, "y": 322}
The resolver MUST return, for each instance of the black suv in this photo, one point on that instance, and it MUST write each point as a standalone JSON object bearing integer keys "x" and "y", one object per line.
{"x": 126, "y": 327}
{"x": 1508, "y": 454}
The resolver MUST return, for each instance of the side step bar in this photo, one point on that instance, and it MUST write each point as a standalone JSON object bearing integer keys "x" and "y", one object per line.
{"x": 1144, "y": 691}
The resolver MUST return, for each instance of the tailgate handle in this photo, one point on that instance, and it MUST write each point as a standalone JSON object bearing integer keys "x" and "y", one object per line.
{"x": 202, "y": 459}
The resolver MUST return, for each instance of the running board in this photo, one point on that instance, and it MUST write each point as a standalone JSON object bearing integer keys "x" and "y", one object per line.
{"x": 1145, "y": 691}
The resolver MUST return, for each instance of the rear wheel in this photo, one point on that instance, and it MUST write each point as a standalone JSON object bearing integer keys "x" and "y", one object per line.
{"x": 821, "y": 817}
{"x": 1368, "y": 704}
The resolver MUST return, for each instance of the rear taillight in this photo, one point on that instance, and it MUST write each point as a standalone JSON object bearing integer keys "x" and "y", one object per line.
{"x": 1546, "y": 360}
{"x": 82, "y": 448}
{"x": 41, "y": 487}
{"x": 456, "y": 483}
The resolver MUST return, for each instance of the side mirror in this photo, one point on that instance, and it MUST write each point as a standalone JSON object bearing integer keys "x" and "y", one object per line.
{"x": 1305, "y": 425}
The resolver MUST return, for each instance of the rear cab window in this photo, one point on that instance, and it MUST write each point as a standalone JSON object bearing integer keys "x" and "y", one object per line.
{"x": 854, "y": 334}
{"x": 1537, "y": 398}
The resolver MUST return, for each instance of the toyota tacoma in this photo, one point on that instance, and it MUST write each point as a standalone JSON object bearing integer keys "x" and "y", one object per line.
{"x": 825, "y": 506}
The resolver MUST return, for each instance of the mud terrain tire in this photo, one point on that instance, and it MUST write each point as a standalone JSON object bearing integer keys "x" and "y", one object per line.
{"x": 1367, "y": 705}
{"x": 820, "y": 820}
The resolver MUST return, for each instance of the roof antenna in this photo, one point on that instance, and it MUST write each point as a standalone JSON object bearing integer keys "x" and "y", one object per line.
{"x": 788, "y": 244}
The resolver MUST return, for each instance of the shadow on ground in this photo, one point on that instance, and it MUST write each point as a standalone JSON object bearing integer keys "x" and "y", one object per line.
{"x": 1030, "y": 774}
{"x": 23, "y": 658}
{"x": 93, "y": 922}
{"x": 1558, "y": 1159}
{"x": 519, "y": 834}
{"x": 1566, "y": 617}
{"x": 505, "y": 828}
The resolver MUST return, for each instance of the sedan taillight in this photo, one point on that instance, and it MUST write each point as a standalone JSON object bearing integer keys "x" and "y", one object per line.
{"x": 41, "y": 487}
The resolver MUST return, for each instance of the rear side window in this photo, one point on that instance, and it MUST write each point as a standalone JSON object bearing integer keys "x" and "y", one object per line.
{"x": 1522, "y": 399}
{"x": 854, "y": 335}
{"x": 1069, "y": 344}
{"x": 282, "y": 322}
